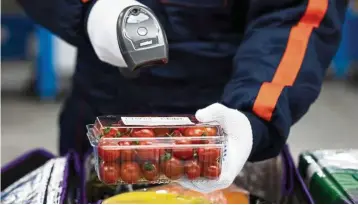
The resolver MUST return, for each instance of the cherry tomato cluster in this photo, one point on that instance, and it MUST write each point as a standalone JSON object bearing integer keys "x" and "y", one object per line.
{"x": 120, "y": 162}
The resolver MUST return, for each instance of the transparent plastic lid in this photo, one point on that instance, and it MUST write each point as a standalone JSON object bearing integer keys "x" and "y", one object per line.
{"x": 165, "y": 141}
{"x": 158, "y": 127}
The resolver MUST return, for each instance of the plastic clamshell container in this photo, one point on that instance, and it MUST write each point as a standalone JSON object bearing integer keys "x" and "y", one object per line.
{"x": 135, "y": 150}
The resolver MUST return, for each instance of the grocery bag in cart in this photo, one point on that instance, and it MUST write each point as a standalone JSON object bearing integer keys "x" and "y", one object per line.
{"x": 276, "y": 180}
{"x": 38, "y": 177}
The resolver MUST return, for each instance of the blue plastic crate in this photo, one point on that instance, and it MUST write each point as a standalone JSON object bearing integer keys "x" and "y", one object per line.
{"x": 348, "y": 50}
{"x": 352, "y": 36}
{"x": 15, "y": 34}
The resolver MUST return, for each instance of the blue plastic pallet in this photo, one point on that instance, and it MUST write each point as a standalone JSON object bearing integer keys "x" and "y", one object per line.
{"x": 15, "y": 41}
{"x": 46, "y": 72}
{"x": 348, "y": 50}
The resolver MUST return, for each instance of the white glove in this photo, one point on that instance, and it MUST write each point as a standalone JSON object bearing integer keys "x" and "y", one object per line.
{"x": 237, "y": 150}
{"x": 102, "y": 29}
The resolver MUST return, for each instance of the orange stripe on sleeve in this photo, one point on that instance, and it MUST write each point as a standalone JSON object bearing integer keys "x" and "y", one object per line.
{"x": 292, "y": 59}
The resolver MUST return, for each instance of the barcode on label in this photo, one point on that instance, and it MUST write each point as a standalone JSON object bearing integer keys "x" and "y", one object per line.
{"x": 156, "y": 121}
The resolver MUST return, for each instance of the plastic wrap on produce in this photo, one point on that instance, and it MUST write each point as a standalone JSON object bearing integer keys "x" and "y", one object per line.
{"x": 175, "y": 193}
{"x": 230, "y": 195}
{"x": 43, "y": 185}
{"x": 331, "y": 175}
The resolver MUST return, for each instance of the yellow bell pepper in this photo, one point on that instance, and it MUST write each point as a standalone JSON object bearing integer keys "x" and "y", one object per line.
{"x": 153, "y": 198}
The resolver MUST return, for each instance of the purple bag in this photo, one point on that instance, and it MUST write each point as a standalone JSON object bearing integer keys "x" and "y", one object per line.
{"x": 299, "y": 190}
{"x": 38, "y": 177}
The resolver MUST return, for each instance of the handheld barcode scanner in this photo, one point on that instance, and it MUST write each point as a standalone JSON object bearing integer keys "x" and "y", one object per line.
{"x": 138, "y": 40}
{"x": 141, "y": 38}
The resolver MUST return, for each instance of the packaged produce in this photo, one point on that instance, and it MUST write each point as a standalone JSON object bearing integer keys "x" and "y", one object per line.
{"x": 260, "y": 192}
{"x": 230, "y": 195}
{"x": 173, "y": 193}
{"x": 152, "y": 197}
{"x": 134, "y": 150}
{"x": 331, "y": 175}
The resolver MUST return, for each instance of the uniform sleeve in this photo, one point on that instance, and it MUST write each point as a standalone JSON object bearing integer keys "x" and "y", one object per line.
{"x": 280, "y": 65}
{"x": 63, "y": 18}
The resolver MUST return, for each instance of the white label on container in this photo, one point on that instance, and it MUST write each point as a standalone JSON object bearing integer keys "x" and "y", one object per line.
{"x": 154, "y": 121}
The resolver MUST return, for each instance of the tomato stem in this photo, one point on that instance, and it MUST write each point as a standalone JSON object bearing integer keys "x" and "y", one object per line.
{"x": 148, "y": 166}
{"x": 175, "y": 133}
{"x": 118, "y": 134}
{"x": 166, "y": 156}
{"x": 106, "y": 130}
{"x": 129, "y": 130}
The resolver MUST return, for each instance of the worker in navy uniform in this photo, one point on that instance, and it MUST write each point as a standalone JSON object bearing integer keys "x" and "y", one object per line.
{"x": 255, "y": 66}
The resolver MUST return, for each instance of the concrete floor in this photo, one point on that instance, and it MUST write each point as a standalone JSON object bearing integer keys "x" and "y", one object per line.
{"x": 331, "y": 123}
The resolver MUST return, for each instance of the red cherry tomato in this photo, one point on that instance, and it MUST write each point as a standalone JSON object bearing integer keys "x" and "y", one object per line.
{"x": 212, "y": 171}
{"x": 130, "y": 172}
{"x": 127, "y": 154}
{"x": 150, "y": 171}
{"x": 108, "y": 150}
{"x": 142, "y": 133}
{"x": 161, "y": 132}
{"x": 173, "y": 168}
{"x": 122, "y": 131}
{"x": 182, "y": 129}
{"x": 164, "y": 155}
{"x": 110, "y": 132}
{"x": 195, "y": 132}
{"x": 192, "y": 170}
{"x": 183, "y": 153}
{"x": 208, "y": 154}
{"x": 211, "y": 131}
{"x": 147, "y": 154}
{"x": 109, "y": 172}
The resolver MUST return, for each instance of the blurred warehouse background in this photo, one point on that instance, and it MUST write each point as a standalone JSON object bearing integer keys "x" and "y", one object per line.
{"x": 36, "y": 68}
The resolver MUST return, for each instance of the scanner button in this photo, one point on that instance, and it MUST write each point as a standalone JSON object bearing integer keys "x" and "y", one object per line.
{"x": 142, "y": 31}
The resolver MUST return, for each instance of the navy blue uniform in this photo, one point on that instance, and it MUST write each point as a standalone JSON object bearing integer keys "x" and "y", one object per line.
{"x": 265, "y": 58}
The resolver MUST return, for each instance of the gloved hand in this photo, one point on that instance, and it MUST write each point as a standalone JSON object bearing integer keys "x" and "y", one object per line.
{"x": 126, "y": 34}
{"x": 237, "y": 150}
